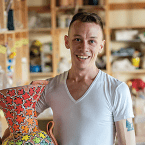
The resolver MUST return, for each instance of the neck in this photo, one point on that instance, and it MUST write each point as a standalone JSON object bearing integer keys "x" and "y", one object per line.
{"x": 83, "y": 74}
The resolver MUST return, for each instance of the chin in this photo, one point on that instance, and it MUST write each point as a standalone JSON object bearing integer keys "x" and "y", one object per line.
{"x": 82, "y": 68}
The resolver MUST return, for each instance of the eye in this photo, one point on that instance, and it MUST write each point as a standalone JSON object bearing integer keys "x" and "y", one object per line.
{"x": 77, "y": 39}
{"x": 92, "y": 41}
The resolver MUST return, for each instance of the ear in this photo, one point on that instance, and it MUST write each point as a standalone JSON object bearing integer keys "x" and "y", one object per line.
{"x": 102, "y": 46}
{"x": 66, "y": 41}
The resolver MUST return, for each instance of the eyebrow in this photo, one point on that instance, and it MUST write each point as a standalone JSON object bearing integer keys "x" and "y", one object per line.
{"x": 90, "y": 37}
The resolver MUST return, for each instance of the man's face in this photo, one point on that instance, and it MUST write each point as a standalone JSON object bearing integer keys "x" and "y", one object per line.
{"x": 85, "y": 42}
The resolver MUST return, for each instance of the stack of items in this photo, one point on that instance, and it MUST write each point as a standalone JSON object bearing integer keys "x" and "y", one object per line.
{"x": 46, "y": 57}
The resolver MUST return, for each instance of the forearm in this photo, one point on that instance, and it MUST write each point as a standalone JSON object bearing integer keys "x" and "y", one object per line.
{"x": 125, "y": 132}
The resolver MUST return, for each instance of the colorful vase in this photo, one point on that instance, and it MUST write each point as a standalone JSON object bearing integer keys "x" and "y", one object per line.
{"x": 18, "y": 105}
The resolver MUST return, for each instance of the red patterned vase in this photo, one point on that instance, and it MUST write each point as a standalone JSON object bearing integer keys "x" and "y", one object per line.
{"x": 18, "y": 105}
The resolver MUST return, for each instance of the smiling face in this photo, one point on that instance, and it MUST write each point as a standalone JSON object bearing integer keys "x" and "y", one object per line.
{"x": 85, "y": 42}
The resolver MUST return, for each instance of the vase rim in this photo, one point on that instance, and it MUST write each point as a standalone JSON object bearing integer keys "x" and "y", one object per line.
{"x": 26, "y": 86}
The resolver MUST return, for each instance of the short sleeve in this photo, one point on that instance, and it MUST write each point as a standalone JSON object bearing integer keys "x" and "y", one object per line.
{"x": 41, "y": 104}
{"x": 122, "y": 108}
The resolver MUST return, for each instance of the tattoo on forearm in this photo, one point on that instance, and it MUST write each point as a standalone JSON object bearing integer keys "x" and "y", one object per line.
{"x": 129, "y": 125}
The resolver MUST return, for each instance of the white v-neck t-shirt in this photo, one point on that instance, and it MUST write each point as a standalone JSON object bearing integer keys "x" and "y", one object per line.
{"x": 91, "y": 119}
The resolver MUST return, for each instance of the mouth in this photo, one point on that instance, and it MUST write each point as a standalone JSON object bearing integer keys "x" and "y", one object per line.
{"x": 82, "y": 57}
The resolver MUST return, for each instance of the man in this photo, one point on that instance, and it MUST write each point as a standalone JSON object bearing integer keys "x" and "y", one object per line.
{"x": 88, "y": 105}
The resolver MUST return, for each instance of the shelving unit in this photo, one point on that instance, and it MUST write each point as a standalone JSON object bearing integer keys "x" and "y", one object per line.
{"x": 136, "y": 42}
{"x": 17, "y": 38}
{"x": 55, "y": 40}
{"x": 54, "y": 8}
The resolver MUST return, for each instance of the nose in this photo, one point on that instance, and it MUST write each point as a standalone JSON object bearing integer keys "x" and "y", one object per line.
{"x": 84, "y": 47}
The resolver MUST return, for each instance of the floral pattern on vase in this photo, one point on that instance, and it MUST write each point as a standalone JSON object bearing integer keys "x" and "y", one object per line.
{"x": 18, "y": 105}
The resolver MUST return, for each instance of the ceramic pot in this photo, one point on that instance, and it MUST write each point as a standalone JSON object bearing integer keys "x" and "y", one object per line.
{"x": 18, "y": 105}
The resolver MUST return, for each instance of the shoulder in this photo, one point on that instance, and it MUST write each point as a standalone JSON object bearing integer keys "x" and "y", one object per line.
{"x": 110, "y": 83}
{"x": 115, "y": 89}
{"x": 110, "y": 80}
{"x": 53, "y": 82}
{"x": 58, "y": 78}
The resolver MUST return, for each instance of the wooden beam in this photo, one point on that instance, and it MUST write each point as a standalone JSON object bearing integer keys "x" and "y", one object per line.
{"x": 40, "y": 9}
{"x": 17, "y": 14}
{"x": 3, "y": 57}
{"x": 2, "y": 9}
{"x": 122, "y": 6}
{"x": 24, "y": 12}
{"x": 107, "y": 37}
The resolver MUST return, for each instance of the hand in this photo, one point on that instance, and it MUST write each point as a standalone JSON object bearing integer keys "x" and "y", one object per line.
{"x": 39, "y": 82}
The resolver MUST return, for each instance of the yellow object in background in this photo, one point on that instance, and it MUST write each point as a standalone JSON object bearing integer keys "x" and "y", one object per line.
{"x": 13, "y": 49}
{"x": 3, "y": 49}
{"x": 12, "y": 55}
{"x": 136, "y": 61}
{"x": 18, "y": 44}
{"x": 25, "y": 41}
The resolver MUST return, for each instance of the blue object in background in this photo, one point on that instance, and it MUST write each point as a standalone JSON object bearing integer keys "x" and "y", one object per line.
{"x": 9, "y": 68}
{"x": 95, "y": 2}
{"x": 35, "y": 68}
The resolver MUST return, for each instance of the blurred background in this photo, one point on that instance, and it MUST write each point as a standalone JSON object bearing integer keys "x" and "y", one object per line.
{"x": 32, "y": 46}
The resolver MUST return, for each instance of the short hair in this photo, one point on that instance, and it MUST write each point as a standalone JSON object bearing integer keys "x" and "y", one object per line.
{"x": 87, "y": 17}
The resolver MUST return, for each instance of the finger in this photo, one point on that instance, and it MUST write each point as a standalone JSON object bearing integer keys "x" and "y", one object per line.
{"x": 39, "y": 82}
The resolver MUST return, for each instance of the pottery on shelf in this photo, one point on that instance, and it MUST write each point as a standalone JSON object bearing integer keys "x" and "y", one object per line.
{"x": 18, "y": 105}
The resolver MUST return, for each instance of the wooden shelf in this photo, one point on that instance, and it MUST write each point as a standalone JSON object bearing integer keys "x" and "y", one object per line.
{"x": 130, "y": 41}
{"x": 60, "y": 8}
{"x": 129, "y": 27}
{"x": 41, "y": 74}
{"x": 139, "y": 71}
{"x": 40, "y": 9}
{"x": 125, "y": 6}
{"x": 13, "y": 31}
{"x": 62, "y": 29}
{"x": 40, "y": 30}
{"x": 94, "y": 7}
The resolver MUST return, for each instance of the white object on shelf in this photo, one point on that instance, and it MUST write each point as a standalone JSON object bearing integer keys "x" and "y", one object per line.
{"x": 125, "y": 35}
{"x": 4, "y": 83}
{"x": 142, "y": 37}
{"x": 62, "y": 21}
{"x": 46, "y": 57}
{"x": 25, "y": 70}
{"x": 122, "y": 65}
{"x": 64, "y": 65}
